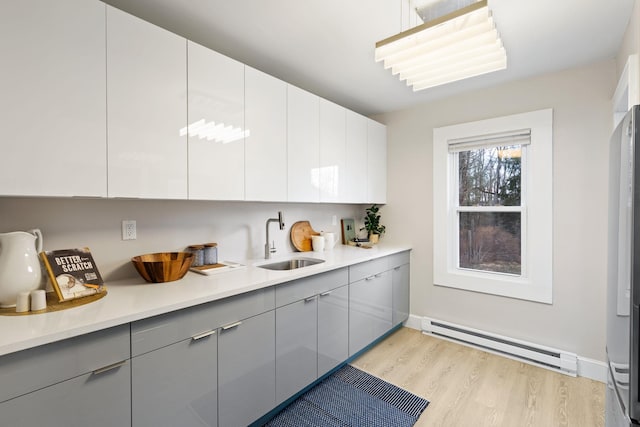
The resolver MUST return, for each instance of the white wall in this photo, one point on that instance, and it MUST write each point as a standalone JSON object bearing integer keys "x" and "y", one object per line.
{"x": 163, "y": 225}
{"x": 581, "y": 102}
{"x": 631, "y": 40}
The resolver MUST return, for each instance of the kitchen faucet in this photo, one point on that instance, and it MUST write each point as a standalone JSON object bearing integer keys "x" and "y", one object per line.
{"x": 268, "y": 250}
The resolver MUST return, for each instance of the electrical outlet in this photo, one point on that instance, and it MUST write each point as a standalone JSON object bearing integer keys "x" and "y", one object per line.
{"x": 128, "y": 229}
{"x": 334, "y": 220}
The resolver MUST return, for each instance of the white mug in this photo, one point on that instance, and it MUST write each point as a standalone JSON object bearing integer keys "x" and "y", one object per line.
{"x": 317, "y": 242}
{"x": 330, "y": 241}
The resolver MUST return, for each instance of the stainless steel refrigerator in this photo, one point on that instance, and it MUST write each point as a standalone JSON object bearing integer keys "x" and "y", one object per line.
{"x": 623, "y": 275}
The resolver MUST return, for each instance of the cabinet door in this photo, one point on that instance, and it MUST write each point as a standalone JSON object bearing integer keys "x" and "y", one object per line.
{"x": 266, "y": 141}
{"x": 400, "y": 278}
{"x": 356, "y": 171}
{"x": 246, "y": 370}
{"x": 296, "y": 347}
{"x": 95, "y": 399}
{"x": 53, "y": 103}
{"x": 333, "y": 329}
{"x": 146, "y": 106}
{"x": 376, "y": 162}
{"x": 216, "y": 125}
{"x": 332, "y": 151}
{"x": 303, "y": 145}
{"x": 176, "y": 385}
{"x": 370, "y": 303}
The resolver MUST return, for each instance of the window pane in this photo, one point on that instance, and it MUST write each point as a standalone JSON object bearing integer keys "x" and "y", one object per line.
{"x": 490, "y": 241}
{"x": 490, "y": 176}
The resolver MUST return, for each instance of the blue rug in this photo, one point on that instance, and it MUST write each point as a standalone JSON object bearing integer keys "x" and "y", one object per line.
{"x": 350, "y": 397}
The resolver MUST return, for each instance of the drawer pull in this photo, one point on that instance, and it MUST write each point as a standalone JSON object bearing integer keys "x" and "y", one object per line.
{"x": 203, "y": 335}
{"x": 109, "y": 367}
{"x": 325, "y": 294}
{"x": 231, "y": 326}
{"x": 397, "y": 269}
{"x": 310, "y": 299}
{"x": 369, "y": 278}
{"x": 377, "y": 276}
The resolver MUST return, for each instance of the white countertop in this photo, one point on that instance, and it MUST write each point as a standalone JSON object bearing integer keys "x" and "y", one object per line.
{"x": 134, "y": 299}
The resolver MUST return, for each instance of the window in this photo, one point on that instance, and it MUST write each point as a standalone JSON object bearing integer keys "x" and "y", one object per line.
{"x": 492, "y": 211}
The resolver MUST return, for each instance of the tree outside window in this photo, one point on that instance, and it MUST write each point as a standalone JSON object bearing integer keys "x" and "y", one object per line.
{"x": 490, "y": 236}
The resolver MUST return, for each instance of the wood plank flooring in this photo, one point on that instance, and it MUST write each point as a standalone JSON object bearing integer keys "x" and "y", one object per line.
{"x": 469, "y": 387}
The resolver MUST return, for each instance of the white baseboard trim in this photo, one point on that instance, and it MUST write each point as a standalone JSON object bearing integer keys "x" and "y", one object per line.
{"x": 593, "y": 369}
{"x": 587, "y": 368}
{"x": 413, "y": 322}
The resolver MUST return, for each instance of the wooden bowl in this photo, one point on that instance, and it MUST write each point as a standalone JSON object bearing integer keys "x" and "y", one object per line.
{"x": 163, "y": 266}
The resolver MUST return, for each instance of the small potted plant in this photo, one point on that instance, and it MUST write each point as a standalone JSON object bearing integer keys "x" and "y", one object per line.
{"x": 372, "y": 223}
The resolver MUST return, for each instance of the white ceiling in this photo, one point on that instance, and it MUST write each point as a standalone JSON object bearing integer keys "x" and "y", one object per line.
{"x": 326, "y": 46}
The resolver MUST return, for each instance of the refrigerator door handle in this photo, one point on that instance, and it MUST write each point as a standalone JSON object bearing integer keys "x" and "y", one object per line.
{"x": 634, "y": 364}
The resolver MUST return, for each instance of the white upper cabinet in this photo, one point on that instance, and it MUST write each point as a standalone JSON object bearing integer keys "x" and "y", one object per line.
{"x": 376, "y": 162}
{"x": 52, "y": 98}
{"x": 303, "y": 145}
{"x": 216, "y": 125}
{"x": 147, "y": 97}
{"x": 332, "y": 151}
{"x": 266, "y": 143}
{"x": 356, "y": 166}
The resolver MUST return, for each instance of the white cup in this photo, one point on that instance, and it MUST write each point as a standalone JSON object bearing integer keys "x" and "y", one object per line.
{"x": 38, "y": 300}
{"x": 317, "y": 242}
{"x": 22, "y": 303}
{"x": 329, "y": 241}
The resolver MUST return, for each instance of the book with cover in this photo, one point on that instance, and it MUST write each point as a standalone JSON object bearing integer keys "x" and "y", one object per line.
{"x": 73, "y": 273}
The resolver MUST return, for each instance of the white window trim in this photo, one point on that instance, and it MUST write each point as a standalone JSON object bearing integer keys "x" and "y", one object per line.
{"x": 535, "y": 284}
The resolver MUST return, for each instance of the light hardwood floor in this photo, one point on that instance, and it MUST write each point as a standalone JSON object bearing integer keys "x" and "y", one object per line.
{"x": 469, "y": 387}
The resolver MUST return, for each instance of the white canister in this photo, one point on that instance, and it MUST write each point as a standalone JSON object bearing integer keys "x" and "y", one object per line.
{"x": 317, "y": 242}
{"x": 38, "y": 300}
{"x": 329, "y": 241}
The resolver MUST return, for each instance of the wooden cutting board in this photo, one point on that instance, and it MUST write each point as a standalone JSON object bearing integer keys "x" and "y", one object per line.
{"x": 301, "y": 233}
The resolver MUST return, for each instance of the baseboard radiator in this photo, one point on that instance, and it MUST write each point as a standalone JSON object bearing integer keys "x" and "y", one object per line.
{"x": 546, "y": 357}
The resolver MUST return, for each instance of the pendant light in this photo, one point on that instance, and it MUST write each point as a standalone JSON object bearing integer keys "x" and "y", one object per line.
{"x": 458, "y": 45}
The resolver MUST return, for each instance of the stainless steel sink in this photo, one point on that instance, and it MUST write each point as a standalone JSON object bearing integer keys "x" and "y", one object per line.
{"x": 291, "y": 264}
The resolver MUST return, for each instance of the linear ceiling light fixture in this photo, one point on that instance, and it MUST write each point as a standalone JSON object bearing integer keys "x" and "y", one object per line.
{"x": 456, "y": 46}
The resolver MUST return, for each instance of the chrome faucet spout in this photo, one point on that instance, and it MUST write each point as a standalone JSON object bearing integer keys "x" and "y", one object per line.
{"x": 268, "y": 250}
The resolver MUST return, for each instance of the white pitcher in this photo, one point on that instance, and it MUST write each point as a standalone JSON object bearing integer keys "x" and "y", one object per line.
{"x": 19, "y": 264}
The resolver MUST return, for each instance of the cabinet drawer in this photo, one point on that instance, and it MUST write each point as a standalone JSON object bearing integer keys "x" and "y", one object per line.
{"x": 96, "y": 400}
{"x": 303, "y": 288}
{"x": 368, "y": 268}
{"x": 159, "y": 331}
{"x": 39, "y": 367}
{"x": 396, "y": 260}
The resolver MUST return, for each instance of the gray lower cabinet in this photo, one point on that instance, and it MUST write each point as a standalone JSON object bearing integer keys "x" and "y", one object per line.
{"x": 370, "y": 307}
{"x": 400, "y": 279}
{"x": 296, "y": 347}
{"x": 177, "y": 385}
{"x": 82, "y": 381}
{"x": 378, "y": 298}
{"x": 333, "y": 328}
{"x": 312, "y": 320}
{"x": 246, "y": 370}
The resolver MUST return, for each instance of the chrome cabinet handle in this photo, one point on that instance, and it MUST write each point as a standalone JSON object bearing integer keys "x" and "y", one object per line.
{"x": 324, "y": 294}
{"x": 232, "y": 325}
{"x": 203, "y": 335}
{"x": 310, "y": 299}
{"x": 397, "y": 269}
{"x": 109, "y": 367}
{"x": 377, "y": 276}
{"x": 370, "y": 278}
